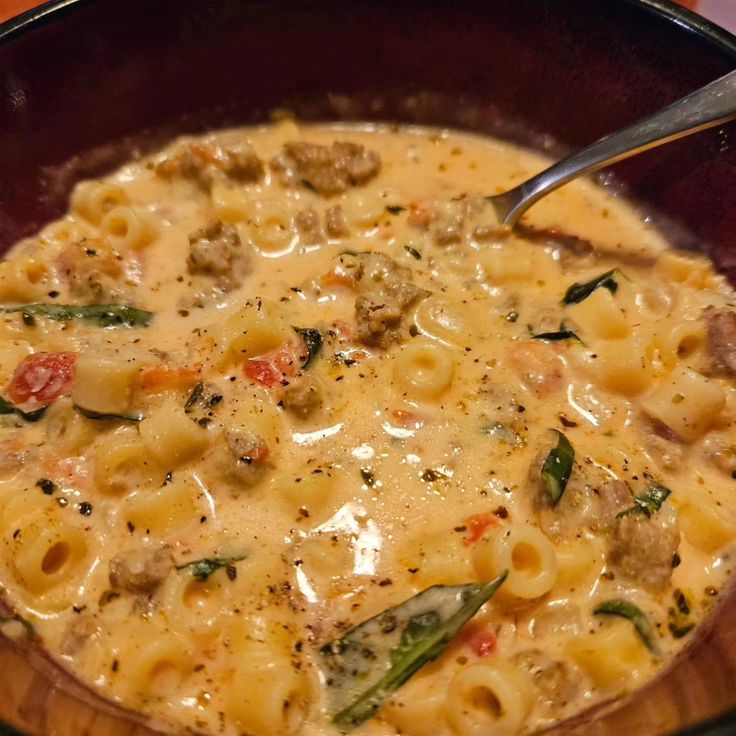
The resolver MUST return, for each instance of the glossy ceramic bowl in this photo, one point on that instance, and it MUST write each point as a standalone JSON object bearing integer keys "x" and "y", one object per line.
{"x": 84, "y": 83}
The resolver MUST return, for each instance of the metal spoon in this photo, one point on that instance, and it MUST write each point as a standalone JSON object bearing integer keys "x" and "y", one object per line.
{"x": 707, "y": 107}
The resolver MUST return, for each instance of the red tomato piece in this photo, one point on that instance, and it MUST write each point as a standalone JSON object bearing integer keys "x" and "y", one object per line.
{"x": 482, "y": 642}
{"x": 478, "y": 525}
{"x": 262, "y": 372}
{"x": 42, "y": 378}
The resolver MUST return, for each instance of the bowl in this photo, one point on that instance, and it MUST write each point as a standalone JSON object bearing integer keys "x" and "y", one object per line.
{"x": 84, "y": 84}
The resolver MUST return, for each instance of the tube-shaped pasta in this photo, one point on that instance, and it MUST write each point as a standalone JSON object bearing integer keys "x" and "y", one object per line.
{"x": 230, "y": 204}
{"x": 423, "y": 369}
{"x": 94, "y": 199}
{"x": 23, "y": 278}
{"x": 127, "y": 229}
{"x": 271, "y": 227}
{"x": 363, "y": 210}
{"x": 63, "y": 232}
{"x": 525, "y": 552}
{"x": 611, "y": 656}
{"x": 490, "y": 699}
{"x": 443, "y": 318}
{"x": 123, "y": 462}
{"x": 599, "y": 316}
{"x": 171, "y": 436}
{"x": 679, "y": 341}
{"x": 267, "y": 694}
{"x": 164, "y": 511}
{"x": 312, "y": 491}
{"x": 255, "y": 329}
{"x": 686, "y": 402}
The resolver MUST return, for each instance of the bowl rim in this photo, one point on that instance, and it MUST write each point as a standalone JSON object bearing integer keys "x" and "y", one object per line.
{"x": 690, "y": 22}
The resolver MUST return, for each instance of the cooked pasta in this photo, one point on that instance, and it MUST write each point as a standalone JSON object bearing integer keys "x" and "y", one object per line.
{"x": 295, "y": 439}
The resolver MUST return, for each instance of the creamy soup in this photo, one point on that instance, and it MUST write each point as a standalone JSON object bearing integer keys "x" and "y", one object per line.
{"x": 295, "y": 439}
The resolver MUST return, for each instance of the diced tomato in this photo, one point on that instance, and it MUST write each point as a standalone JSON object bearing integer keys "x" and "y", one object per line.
{"x": 281, "y": 364}
{"x": 164, "y": 377}
{"x": 42, "y": 378}
{"x": 478, "y": 525}
{"x": 482, "y": 642}
{"x": 262, "y": 372}
{"x": 407, "y": 419}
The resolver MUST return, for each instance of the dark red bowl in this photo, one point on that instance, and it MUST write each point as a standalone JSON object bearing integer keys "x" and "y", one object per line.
{"x": 85, "y": 83}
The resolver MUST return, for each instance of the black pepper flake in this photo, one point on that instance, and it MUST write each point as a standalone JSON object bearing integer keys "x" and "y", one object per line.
{"x": 461, "y": 528}
{"x": 676, "y": 560}
{"x": 28, "y": 319}
{"x": 85, "y": 508}
{"x": 413, "y": 570}
{"x": 232, "y": 572}
{"x": 565, "y": 422}
{"x": 115, "y": 665}
{"x": 53, "y": 294}
{"x": 521, "y": 409}
{"x": 47, "y": 486}
{"x": 368, "y": 478}
{"x": 202, "y": 519}
{"x": 386, "y": 581}
{"x": 16, "y": 534}
{"x": 501, "y": 512}
{"x": 131, "y": 527}
{"x": 78, "y": 609}
{"x": 733, "y": 474}
{"x": 512, "y": 316}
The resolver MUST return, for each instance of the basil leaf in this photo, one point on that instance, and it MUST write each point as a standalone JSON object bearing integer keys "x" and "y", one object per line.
{"x": 202, "y": 402}
{"x": 30, "y": 416}
{"x": 312, "y": 339}
{"x": 202, "y": 569}
{"x": 624, "y": 609}
{"x": 558, "y": 467}
{"x": 556, "y": 336}
{"x": 649, "y": 502}
{"x": 102, "y": 315}
{"x": 577, "y": 292}
{"x": 91, "y": 414}
{"x": 374, "y": 659}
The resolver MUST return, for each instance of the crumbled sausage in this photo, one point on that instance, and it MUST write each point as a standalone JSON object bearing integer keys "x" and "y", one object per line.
{"x": 93, "y": 269}
{"x": 216, "y": 250}
{"x": 328, "y": 170}
{"x": 309, "y": 227}
{"x": 721, "y": 327}
{"x": 140, "y": 570}
{"x": 302, "y": 396}
{"x": 553, "y": 679}
{"x": 378, "y": 321}
{"x": 205, "y": 164}
{"x": 721, "y": 452}
{"x": 335, "y": 222}
{"x": 79, "y": 631}
{"x": 250, "y": 452}
{"x": 643, "y": 547}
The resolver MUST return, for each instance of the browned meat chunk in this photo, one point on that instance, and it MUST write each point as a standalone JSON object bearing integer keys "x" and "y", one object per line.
{"x": 721, "y": 327}
{"x": 140, "y": 570}
{"x": 643, "y": 547}
{"x": 337, "y": 225}
{"x": 328, "y": 170}
{"x": 216, "y": 250}
{"x": 581, "y": 506}
{"x": 93, "y": 269}
{"x": 309, "y": 227}
{"x": 205, "y": 164}
{"x": 553, "y": 679}
{"x": 250, "y": 453}
{"x": 302, "y": 396}
{"x": 378, "y": 321}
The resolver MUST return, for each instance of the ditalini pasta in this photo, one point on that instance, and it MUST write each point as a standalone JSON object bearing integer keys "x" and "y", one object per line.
{"x": 295, "y": 439}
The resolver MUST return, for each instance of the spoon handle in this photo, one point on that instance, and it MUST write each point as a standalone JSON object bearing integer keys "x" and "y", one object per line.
{"x": 709, "y": 106}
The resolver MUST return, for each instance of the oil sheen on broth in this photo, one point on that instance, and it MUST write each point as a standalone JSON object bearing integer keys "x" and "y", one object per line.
{"x": 272, "y": 383}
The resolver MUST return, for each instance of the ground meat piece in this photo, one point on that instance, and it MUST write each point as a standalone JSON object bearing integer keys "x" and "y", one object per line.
{"x": 140, "y": 570}
{"x": 721, "y": 327}
{"x": 643, "y": 547}
{"x": 302, "y": 396}
{"x": 337, "y": 225}
{"x": 205, "y": 164}
{"x": 309, "y": 227}
{"x": 216, "y": 250}
{"x": 94, "y": 271}
{"x": 582, "y": 505}
{"x": 378, "y": 322}
{"x": 250, "y": 452}
{"x": 79, "y": 631}
{"x": 328, "y": 170}
{"x": 661, "y": 442}
{"x": 552, "y": 678}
